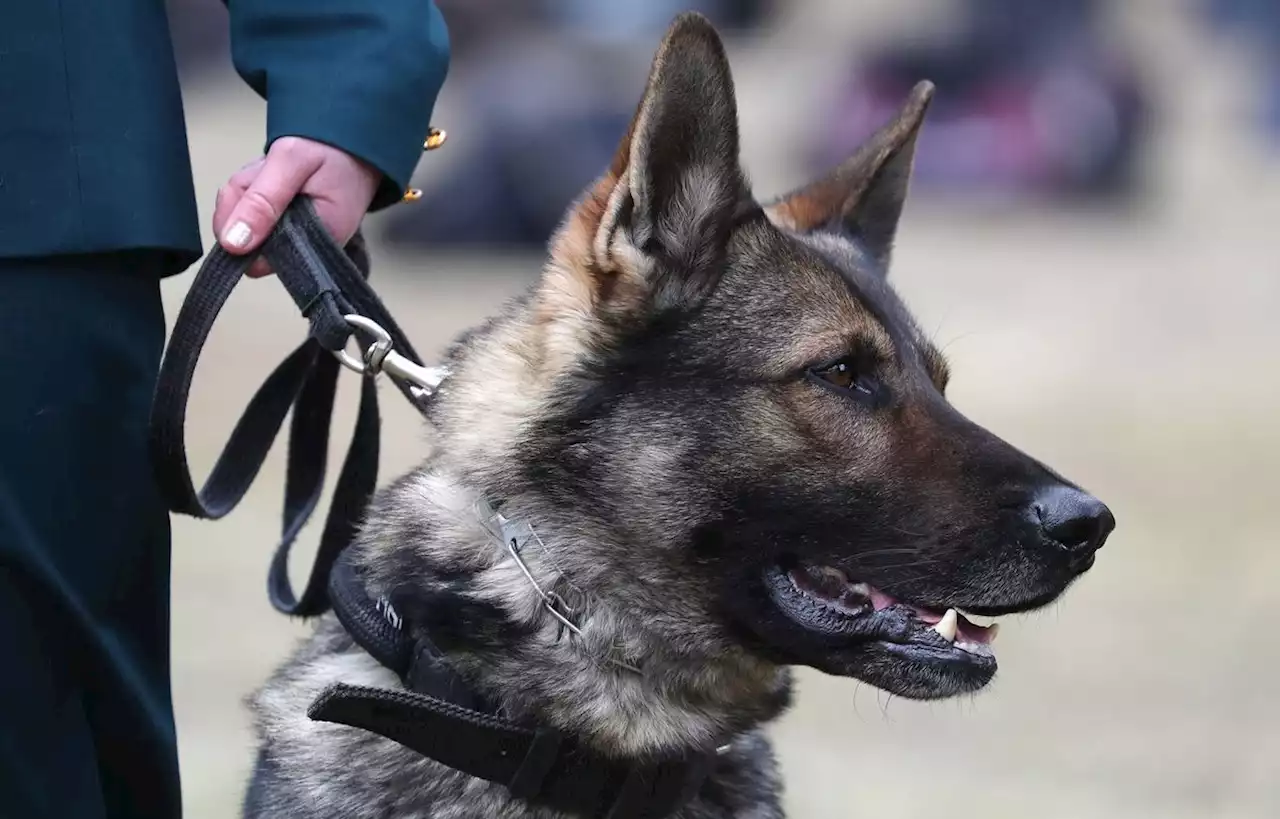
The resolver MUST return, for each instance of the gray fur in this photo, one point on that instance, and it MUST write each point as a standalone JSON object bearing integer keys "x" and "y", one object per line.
{"x": 653, "y": 410}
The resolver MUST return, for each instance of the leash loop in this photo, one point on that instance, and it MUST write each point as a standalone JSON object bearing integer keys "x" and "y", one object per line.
{"x": 329, "y": 284}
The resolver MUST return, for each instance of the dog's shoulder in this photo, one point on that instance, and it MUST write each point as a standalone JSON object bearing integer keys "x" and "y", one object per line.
{"x": 310, "y": 769}
{"x": 307, "y": 768}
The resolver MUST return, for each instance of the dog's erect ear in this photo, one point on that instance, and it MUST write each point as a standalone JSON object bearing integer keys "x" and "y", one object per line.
{"x": 675, "y": 184}
{"x": 863, "y": 197}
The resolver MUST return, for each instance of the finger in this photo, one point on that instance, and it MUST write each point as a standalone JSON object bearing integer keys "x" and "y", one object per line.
{"x": 226, "y": 201}
{"x": 281, "y": 177}
{"x": 243, "y": 177}
{"x": 340, "y": 218}
{"x": 259, "y": 269}
{"x": 229, "y": 194}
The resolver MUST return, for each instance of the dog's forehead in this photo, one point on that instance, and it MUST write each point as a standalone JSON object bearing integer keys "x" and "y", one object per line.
{"x": 844, "y": 253}
{"x": 866, "y": 279}
{"x": 826, "y": 279}
{"x": 817, "y": 291}
{"x": 869, "y": 282}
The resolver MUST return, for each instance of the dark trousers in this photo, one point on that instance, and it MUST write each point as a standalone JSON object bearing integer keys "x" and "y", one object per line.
{"x": 86, "y": 720}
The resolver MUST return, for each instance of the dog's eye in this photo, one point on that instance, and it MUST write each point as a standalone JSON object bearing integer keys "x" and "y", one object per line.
{"x": 845, "y": 375}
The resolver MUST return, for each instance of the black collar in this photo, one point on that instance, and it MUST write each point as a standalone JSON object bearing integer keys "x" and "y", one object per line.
{"x": 440, "y": 717}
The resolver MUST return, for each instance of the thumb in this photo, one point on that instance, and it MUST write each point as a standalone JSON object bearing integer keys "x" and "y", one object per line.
{"x": 255, "y": 215}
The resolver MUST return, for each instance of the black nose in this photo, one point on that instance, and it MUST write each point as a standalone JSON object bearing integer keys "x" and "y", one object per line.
{"x": 1075, "y": 520}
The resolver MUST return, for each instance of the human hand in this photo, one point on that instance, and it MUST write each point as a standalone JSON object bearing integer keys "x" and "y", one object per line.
{"x": 253, "y": 199}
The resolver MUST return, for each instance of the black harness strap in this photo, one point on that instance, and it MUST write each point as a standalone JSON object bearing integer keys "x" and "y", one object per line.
{"x": 440, "y": 718}
{"x": 327, "y": 283}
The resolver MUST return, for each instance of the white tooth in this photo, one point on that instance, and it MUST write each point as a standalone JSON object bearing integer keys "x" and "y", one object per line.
{"x": 947, "y": 626}
{"x": 992, "y": 631}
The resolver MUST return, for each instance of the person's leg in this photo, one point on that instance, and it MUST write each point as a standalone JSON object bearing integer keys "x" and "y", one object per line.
{"x": 86, "y": 723}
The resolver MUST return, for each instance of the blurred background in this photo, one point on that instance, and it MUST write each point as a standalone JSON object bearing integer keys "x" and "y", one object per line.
{"x": 1092, "y": 238}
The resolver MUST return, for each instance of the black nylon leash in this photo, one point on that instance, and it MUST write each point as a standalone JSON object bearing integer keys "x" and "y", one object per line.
{"x": 328, "y": 283}
{"x": 436, "y": 714}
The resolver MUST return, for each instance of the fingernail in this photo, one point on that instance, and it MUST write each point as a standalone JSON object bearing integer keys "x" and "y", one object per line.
{"x": 237, "y": 235}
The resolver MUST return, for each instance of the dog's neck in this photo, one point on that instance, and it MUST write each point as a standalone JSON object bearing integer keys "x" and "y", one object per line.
{"x": 448, "y": 562}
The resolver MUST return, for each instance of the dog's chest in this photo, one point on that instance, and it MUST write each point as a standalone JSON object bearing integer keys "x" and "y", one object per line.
{"x": 382, "y": 780}
{"x": 309, "y": 769}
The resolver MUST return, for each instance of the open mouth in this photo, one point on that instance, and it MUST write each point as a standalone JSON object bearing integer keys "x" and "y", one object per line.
{"x": 829, "y": 588}
{"x": 928, "y": 643}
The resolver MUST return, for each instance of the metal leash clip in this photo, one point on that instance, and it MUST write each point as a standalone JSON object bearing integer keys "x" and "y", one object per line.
{"x": 381, "y": 357}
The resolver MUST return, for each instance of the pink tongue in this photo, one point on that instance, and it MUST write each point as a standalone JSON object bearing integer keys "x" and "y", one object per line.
{"x": 881, "y": 600}
{"x": 972, "y": 632}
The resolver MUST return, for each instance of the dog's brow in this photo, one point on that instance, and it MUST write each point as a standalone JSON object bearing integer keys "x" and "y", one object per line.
{"x": 936, "y": 363}
{"x": 876, "y": 339}
{"x": 870, "y": 328}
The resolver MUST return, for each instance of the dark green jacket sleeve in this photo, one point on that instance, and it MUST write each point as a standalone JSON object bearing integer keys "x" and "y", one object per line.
{"x": 361, "y": 75}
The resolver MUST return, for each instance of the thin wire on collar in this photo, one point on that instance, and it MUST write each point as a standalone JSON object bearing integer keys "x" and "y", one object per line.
{"x": 505, "y": 530}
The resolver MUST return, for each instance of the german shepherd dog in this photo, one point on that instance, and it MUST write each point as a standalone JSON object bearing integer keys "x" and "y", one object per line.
{"x": 732, "y": 442}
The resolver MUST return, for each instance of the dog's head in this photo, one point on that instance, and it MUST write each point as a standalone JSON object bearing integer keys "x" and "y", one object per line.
{"x": 729, "y": 414}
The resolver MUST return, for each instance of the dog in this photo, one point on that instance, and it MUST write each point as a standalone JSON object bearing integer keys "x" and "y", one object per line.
{"x": 728, "y": 447}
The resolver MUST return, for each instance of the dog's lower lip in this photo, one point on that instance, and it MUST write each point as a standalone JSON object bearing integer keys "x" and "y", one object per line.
{"x": 970, "y": 655}
{"x": 830, "y": 588}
